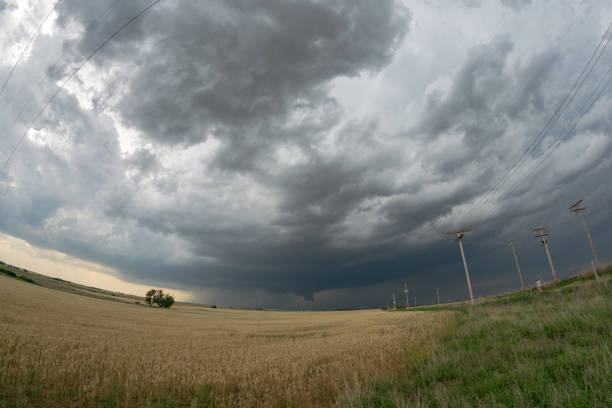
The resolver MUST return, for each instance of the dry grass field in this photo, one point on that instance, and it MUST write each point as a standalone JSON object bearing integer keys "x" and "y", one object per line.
{"x": 62, "y": 349}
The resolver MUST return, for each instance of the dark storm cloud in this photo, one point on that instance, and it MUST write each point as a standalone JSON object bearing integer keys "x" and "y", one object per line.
{"x": 247, "y": 174}
{"x": 239, "y": 71}
{"x": 485, "y": 94}
{"x": 232, "y": 63}
{"x": 299, "y": 250}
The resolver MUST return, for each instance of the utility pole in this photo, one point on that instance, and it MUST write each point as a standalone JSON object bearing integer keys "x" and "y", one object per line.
{"x": 414, "y": 301}
{"x": 575, "y": 208}
{"x": 406, "y": 294}
{"x": 541, "y": 234}
{"x": 459, "y": 239}
{"x": 438, "y": 294}
{"x": 518, "y": 268}
{"x": 595, "y": 272}
{"x": 394, "y": 302}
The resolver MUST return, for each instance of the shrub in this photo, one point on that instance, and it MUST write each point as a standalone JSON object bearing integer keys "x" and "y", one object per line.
{"x": 9, "y": 273}
{"x": 157, "y": 297}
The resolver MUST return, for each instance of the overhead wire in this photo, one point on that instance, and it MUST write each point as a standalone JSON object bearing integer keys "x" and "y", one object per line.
{"x": 601, "y": 87}
{"x": 25, "y": 48}
{"x": 54, "y": 64}
{"x": 72, "y": 74}
{"x": 566, "y": 101}
{"x": 553, "y": 119}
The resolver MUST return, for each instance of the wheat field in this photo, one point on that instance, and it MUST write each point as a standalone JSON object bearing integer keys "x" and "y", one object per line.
{"x": 62, "y": 349}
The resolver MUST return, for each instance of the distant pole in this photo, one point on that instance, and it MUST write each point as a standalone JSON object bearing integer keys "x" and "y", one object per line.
{"x": 518, "y": 268}
{"x": 541, "y": 234}
{"x": 459, "y": 239}
{"x": 406, "y": 294}
{"x": 394, "y": 302}
{"x": 414, "y": 301}
{"x": 575, "y": 208}
{"x": 438, "y": 294}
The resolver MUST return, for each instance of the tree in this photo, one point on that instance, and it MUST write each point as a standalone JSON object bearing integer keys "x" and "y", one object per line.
{"x": 157, "y": 297}
{"x": 149, "y": 297}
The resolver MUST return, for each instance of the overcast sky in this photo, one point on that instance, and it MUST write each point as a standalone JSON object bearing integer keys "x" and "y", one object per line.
{"x": 304, "y": 154}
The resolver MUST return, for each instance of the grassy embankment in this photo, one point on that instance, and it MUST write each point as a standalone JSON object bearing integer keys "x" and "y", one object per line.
{"x": 527, "y": 349}
{"x": 63, "y": 285}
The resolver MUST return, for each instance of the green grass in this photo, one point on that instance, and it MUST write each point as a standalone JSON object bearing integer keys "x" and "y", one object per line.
{"x": 25, "y": 278}
{"x": 527, "y": 349}
{"x": 9, "y": 271}
{"x": 585, "y": 277}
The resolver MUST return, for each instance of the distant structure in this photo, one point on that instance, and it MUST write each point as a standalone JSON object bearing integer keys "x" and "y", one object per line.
{"x": 406, "y": 295}
{"x": 394, "y": 302}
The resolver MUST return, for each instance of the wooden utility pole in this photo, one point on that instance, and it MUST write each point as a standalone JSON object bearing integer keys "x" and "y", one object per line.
{"x": 595, "y": 272}
{"x": 406, "y": 294}
{"x": 541, "y": 234}
{"x": 575, "y": 208}
{"x": 459, "y": 239}
{"x": 438, "y": 294}
{"x": 518, "y": 268}
{"x": 394, "y": 302}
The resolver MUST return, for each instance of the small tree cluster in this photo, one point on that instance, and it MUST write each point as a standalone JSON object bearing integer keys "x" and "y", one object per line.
{"x": 157, "y": 297}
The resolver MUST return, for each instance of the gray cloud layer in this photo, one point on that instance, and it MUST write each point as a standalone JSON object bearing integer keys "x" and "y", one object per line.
{"x": 210, "y": 148}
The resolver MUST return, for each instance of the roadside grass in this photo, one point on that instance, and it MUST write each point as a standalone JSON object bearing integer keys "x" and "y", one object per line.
{"x": 527, "y": 349}
{"x": 585, "y": 277}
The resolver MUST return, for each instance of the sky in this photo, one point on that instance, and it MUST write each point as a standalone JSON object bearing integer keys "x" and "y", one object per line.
{"x": 303, "y": 154}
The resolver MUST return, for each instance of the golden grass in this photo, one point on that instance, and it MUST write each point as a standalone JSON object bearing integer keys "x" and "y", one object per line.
{"x": 61, "y": 349}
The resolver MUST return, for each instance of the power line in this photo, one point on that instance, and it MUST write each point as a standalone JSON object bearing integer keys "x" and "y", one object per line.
{"x": 562, "y": 106}
{"x": 574, "y": 90}
{"x": 23, "y": 51}
{"x": 567, "y": 100}
{"x": 54, "y": 64}
{"x": 72, "y": 74}
{"x": 568, "y": 130}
